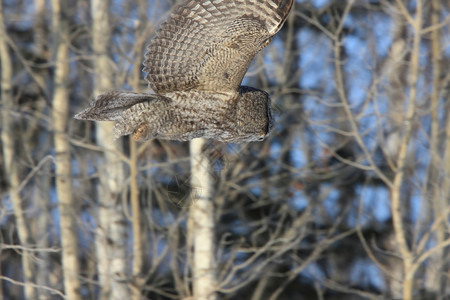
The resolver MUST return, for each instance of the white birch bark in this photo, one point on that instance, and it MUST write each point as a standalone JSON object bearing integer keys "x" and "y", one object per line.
{"x": 111, "y": 231}
{"x": 66, "y": 202}
{"x": 201, "y": 224}
{"x": 406, "y": 254}
{"x": 395, "y": 70}
{"x": 11, "y": 167}
{"x": 44, "y": 266}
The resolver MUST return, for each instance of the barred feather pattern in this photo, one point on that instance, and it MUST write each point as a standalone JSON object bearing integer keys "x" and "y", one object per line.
{"x": 109, "y": 106}
{"x": 195, "y": 64}
{"x": 183, "y": 116}
{"x": 209, "y": 44}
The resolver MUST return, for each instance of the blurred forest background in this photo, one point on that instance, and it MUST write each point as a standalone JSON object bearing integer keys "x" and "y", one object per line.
{"x": 347, "y": 199}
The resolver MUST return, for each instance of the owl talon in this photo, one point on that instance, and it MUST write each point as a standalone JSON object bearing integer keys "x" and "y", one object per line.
{"x": 140, "y": 133}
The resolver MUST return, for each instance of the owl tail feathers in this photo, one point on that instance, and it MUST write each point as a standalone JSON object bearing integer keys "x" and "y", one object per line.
{"x": 109, "y": 106}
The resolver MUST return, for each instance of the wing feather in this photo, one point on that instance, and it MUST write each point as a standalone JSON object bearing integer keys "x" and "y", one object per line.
{"x": 109, "y": 106}
{"x": 208, "y": 45}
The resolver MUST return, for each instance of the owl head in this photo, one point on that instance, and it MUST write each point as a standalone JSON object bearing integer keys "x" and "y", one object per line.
{"x": 254, "y": 114}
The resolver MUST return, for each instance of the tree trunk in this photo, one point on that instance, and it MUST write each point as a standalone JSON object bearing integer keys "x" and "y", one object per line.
{"x": 11, "y": 166}
{"x": 138, "y": 251}
{"x": 66, "y": 203}
{"x": 395, "y": 69}
{"x": 201, "y": 224}
{"x": 435, "y": 281}
{"x": 111, "y": 231}
{"x": 405, "y": 252}
{"x": 43, "y": 182}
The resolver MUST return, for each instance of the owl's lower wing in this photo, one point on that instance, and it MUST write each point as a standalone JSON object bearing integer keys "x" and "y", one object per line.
{"x": 208, "y": 45}
{"x": 110, "y": 106}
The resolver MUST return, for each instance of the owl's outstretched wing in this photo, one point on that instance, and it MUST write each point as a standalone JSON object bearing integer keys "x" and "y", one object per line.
{"x": 209, "y": 44}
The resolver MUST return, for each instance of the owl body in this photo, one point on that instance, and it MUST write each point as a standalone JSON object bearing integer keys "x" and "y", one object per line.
{"x": 237, "y": 117}
{"x": 195, "y": 64}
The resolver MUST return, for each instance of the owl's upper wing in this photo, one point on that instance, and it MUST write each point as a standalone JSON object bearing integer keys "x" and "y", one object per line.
{"x": 209, "y": 44}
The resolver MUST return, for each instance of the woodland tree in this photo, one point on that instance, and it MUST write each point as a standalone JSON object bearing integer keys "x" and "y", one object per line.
{"x": 347, "y": 199}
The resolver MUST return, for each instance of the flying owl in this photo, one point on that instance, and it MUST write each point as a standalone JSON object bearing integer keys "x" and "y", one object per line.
{"x": 195, "y": 64}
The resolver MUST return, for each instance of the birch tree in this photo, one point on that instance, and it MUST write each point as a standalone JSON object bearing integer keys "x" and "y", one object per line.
{"x": 66, "y": 202}
{"x": 401, "y": 161}
{"x": 138, "y": 250}
{"x": 435, "y": 281}
{"x": 12, "y": 168}
{"x": 111, "y": 231}
{"x": 297, "y": 216}
{"x": 201, "y": 237}
{"x": 44, "y": 182}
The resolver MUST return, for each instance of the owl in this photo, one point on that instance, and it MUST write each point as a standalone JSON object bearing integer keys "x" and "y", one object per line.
{"x": 195, "y": 65}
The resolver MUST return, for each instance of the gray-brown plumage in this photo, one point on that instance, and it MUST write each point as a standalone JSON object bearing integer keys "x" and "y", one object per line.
{"x": 195, "y": 64}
